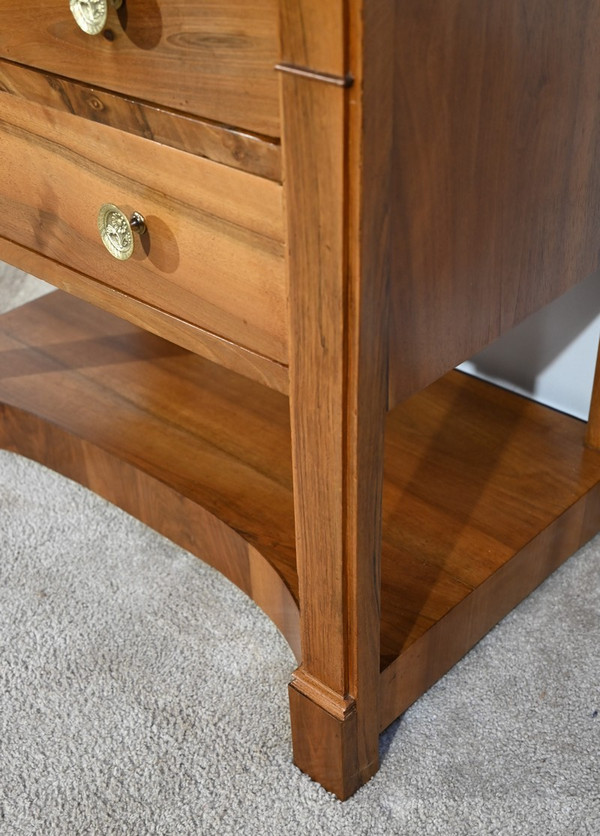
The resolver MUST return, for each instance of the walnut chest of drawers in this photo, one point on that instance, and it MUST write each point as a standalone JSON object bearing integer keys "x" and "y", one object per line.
{"x": 319, "y": 209}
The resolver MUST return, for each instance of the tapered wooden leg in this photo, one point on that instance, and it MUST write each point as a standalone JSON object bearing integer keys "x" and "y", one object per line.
{"x": 338, "y": 267}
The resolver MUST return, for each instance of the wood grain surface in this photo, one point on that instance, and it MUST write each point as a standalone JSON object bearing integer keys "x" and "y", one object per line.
{"x": 314, "y": 126}
{"x": 219, "y": 143}
{"x": 314, "y": 35}
{"x": 495, "y": 172}
{"x": 324, "y": 742}
{"x": 155, "y": 429}
{"x": 213, "y": 254}
{"x": 211, "y": 58}
{"x": 173, "y": 328}
{"x": 433, "y": 654}
{"x": 485, "y": 493}
{"x": 333, "y": 696}
{"x": 473, "y": 475}
{"x": 368, "y": 206}
{"x": 444, "y": 191}
{"x": 337, "y": 144}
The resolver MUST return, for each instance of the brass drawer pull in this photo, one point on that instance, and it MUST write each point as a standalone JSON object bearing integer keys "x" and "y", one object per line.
{"x": 116, "y": 230}
{"x": 91, "y": 15}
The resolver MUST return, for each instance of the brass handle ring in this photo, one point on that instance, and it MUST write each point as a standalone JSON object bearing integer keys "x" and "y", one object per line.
{"x": 91, "y": 15}
{"x": 116, "y": 230}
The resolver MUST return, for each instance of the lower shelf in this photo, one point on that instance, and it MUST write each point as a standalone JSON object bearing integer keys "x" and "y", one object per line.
{"x": 485, "y": 492}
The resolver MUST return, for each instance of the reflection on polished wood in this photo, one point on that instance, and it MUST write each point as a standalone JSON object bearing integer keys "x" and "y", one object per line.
{"x": 485, "y": 493}
{"x": 404, "y": 217}
{"x": 213, "y": 60}
{"x": 214, "y": 252}
{"x": 216, "y": 142}
{"x": 201, "y": 457}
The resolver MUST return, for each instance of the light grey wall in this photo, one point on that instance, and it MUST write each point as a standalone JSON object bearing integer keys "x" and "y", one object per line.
{"x": 551, "y": 356}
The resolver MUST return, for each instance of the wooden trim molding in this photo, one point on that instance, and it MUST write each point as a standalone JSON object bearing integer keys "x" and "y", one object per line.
{"x": 189, "y": 336}
{"x": 220, "y": 143}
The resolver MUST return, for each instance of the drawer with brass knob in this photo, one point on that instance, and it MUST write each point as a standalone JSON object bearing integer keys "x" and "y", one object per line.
{"x": 92, "y": 15}
{"x": 214, "y": 58}
{"x": 200, "y": 241}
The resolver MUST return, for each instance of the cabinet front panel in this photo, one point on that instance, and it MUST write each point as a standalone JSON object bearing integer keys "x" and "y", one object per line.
{"x": 496, "y": 174}
{"x": 211, "y": 58}
{"x": 213, "y": 251}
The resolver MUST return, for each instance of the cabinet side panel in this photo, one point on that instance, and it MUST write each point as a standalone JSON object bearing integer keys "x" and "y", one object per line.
{"x": 496, "y": 190}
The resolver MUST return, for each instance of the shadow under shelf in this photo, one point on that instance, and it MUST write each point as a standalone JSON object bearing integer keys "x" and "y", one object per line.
{"x": 485, "y": 492}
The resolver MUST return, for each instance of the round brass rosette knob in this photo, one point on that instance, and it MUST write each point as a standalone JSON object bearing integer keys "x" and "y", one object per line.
{"x": 91, "y": 15}
{"x": 116, "y": 230}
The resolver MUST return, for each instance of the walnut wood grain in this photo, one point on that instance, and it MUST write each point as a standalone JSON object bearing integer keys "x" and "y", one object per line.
{"x": 439, "y": 171}
{"x": 315, "y": 115}
{"x": 313, "y": 35}
{"x": 440, "y": 647}
{"x": 213, "y": 254}
{"x": 485, "y": 493}
{"x": 337, "y": 143}
{"x": 159, "y": 432}
{"x": 316, "y": 265}
{"x": 325, "y": 741}
{"x": 216, "y": 142}
{"x": 473, "y": 475}
{"x": 495, "y": 172}
{"x": 164, "y": 508}
{"x": 370, "y": 145}
{"x": 210, "y": 58}
{"x": 216, "y": 349}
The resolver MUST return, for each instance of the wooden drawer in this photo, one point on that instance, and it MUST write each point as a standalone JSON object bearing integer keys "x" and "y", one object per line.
{"x": 213, "y": 254}
{"x": 211, "y": 58}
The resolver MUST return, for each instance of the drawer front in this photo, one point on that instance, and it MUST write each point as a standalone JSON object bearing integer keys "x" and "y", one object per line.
{"x": 213, "y": 252}
{"x": 211, "y": 58}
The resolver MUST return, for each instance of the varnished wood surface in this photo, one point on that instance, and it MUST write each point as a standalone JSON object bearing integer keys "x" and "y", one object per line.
{"x": 213, "y": 254}
{"x": 496, "y": 179}
{"x": 313, "y": 35}
{"x": 369, "y": 244}
{"x": 315, "y": 115}
{"x": 316, "y": 262}
{"x": 433, "y": 654}
{"x": 337, "y": 390}
{"x": 325, "y": 742}
{"x": 217, "y": 142}
{"x": 211, "y": 58}
{"x": 205, "y": 430}
{"x": 157, "y": 504}
{"x": 338, "y": 142}
{"x": 473, "y": 474}
{"x": 203, "y": 459}
{"x": 485, "y": 118}
{"x": 485, "y": 493}
{"x": 175, "y": 329}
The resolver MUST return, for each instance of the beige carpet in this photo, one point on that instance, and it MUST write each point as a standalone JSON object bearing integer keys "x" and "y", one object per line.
{"x": 141, "y": 693}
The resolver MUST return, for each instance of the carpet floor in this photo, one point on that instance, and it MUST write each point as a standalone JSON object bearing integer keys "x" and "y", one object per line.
{"x": 142, "y": 693}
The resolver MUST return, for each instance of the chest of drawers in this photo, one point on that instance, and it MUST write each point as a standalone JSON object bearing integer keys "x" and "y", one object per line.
{"x": 341, "y": 201}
